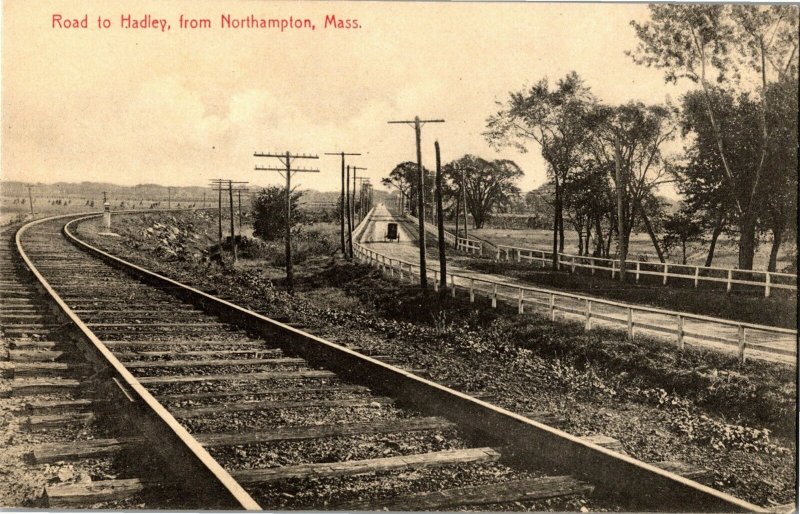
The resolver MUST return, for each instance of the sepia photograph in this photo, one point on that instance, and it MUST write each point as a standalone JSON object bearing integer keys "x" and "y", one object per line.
{"x": 398, "y": 256}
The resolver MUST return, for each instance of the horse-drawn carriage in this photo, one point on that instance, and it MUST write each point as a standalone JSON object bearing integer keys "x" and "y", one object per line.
{"x": 391, "y": 233}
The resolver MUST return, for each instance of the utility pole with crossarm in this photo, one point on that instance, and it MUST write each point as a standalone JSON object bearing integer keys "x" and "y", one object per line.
{"x": 341, "y": 198}
{"x": 417, "y": 123}
{"x": 286, "y": 159}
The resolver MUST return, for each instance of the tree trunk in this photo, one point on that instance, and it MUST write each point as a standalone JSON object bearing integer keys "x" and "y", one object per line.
{"x": 556, "y": 210}
{"x": 747, "y": 241}
{"x": 621, "y": 232}
{"x": 683, "y": 247}
{"x": 652, "y": 235}
{"x": 598, "y": 229}
{"x": 580, "y": 242}
{"x": 714, "y": 236}
{"x": 588, "y": 235}
{"x": 777, "y": 239}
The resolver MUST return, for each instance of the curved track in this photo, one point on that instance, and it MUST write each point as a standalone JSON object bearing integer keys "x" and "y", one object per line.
{"x": 263, "y": 414}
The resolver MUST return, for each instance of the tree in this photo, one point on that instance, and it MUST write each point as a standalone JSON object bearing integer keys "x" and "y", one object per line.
{"x": 627, "y": 141}
{"x": 553, "y": 119}
{"x": 729, "y": 44}
{"x": 488, "y": 185}
{"x": 269, "y": 212}
{"x": 404, "y": 177}
{"x": 681, "y": 228}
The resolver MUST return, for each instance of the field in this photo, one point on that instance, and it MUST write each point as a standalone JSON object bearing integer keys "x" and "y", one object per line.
{"x": 641, "y": 248}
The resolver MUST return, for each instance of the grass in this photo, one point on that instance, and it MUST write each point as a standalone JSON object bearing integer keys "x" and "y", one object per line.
{"x": 780, "y": 309}
{"x": 641, "y": 248}
{"x": 697, "y": 405}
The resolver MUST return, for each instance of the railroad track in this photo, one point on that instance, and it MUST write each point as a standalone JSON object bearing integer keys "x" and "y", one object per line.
{"x": 250, "y": 412}
{"x": 57, "y": 399}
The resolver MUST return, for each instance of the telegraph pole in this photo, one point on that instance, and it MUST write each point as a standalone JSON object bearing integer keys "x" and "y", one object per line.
{"x": 349, "y": 254}
{"x": 286, "y": 159}
{"x": 218, "y": 183}
{"x": 233, "y": 218}
{"x": 440, "y": 222}
{"x": 353, "y": 204}
{"x": 30, "y": 199}
{"x": 239, "y": 192}
{"x": 417, "y": 123}
{"x": 169, "y": 198}
{"x": 341, "y": 198}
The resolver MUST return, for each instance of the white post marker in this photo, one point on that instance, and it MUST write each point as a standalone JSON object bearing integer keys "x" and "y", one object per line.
{"x": 107, "y": 216}
{"x": 520, "y": 308}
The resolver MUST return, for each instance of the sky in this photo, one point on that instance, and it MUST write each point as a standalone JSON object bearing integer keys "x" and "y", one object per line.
{"x": 182, "y": 106}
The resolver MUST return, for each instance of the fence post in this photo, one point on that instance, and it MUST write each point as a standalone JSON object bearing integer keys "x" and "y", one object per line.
{"x": 630, "y": 323}
{"x": 472, "y": 290}
{"x": 520, "y": 308}
{"x": 453, "y": 284}
{"x": 591, "y": 263}
{"x": 497, "y": 258}
{"x": 588, "y": 314}
{"x": 680, "y": 332}
{"x": 436, "y": 280}
{"x": 613, "y": 265}
{"x": 696, "y": 276}
{"x": 666, "y": 268}
{"x": 572, "y": 265}
{"x": 741, "y": 343}
{"x": 400, "y": 270}
{"x": 638, "y": 269}
{"x": 767, "y": 286}
{"x": 730, "y": 277}
{"x": 519, "y": 255}
{"x": 411, "y": 273}
{"x": 494, "y": 296}
{"x": 552, "y": 307}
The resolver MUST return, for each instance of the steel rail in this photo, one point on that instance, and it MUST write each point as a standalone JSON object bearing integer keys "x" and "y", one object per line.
{"x": 190, "y": 462}
{"x": 643, "y": 484}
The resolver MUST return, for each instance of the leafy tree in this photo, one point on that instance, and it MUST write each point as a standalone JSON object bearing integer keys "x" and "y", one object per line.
{"x": 269, "y": 212}
{"x": 730, "y": 45}
{"x": 554, "y": 120}
{"x": 405, "y": 178}
{"x": 682, "y": 228}
{"x": 627, "y": 141}
{"x": 488, "y": 184}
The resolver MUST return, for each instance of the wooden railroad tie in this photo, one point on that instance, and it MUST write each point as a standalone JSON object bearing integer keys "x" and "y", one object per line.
{"x": 317, "y": 432}
{"x": 355, "y": 467}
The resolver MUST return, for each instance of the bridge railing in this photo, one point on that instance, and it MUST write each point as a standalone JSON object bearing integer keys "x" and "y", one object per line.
{"x": 464, "y": 244}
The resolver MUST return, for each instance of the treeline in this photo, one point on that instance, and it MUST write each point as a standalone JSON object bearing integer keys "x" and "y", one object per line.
{"x": 738, "y": 171}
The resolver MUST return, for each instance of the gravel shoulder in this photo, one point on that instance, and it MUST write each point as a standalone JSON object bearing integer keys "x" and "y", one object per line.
{"x": 699, "y": 407}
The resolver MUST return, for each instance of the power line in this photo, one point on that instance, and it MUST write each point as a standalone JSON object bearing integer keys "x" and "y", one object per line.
{"x": 341, "y": 198}
{"x": 287, "y": 171}
{"x": 417, "y": 124}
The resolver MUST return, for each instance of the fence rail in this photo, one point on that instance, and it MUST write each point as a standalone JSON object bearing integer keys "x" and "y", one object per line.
{"x": 728, "y": 276}
{"x": 464, "y": 244}
{"x": 681, "y": 325}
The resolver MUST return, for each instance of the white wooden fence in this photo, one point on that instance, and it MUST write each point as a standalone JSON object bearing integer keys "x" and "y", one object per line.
{"x": 461, "y": 243}
{"x": 762, "y": 338}
{"x": 728, "y": 276}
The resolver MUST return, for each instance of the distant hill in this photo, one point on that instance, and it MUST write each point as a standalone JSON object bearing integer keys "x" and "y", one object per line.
{"x": 141, "y": 192}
